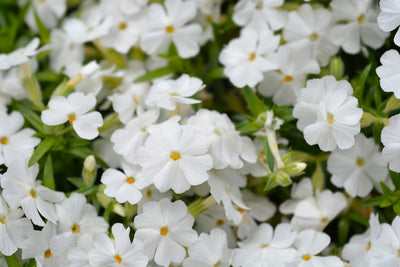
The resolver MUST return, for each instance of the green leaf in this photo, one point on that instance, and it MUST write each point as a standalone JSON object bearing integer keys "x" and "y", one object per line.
{"x": 30, "y": 263}
{"x": 359, "y": 88}
{"x": 44, "y": 33}
{"x": 83, "y": 152}
{"x": 215, "y": 74}
{"x": 87, "y": 190}
{"x": 395, "y": 177}
{"x": 33, "y": 118}
{"x": 386, "y": 190}
{"x": 157, "y": 73}
{"x": 249, "y": 128}
{"x": 77, "y": 181}
{"x": 271, "y": 183}
{"x": 396, "y": 208}
{"x": 107, "y": 212}
{"x": 48, "y": 174}
{"x": 268, "y": 154}
{"x": 343, "y": 231}
{"x": 376, "y": 201}
{"x": 357, "y": 218}
{"x": 42, "y": 148}
{"x": 12, "y": 261}
{"x": 255, "y": 105}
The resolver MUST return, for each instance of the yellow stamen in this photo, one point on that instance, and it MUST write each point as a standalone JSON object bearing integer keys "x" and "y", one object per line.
{"x": 220, "y": 222}
{"x": 170, "y": 29}
{"x": 175, "y": 156}
{"x": 314, "y": 36}
{"x": 368, "y": 247}
{"x": 330, "y": 118}
{"x": 252, "y": 57}
{"x": 264, "y": 245}
{"x": 122, "y": 26}
{"x": 209, "y": 19}
{"x": 306, "y": 257}
{"x": 47, "y": 254}
{"x": 33, "y": 193}
{"x": 130, "y": 180}
{"x": 137, "y": 100}
{"x": 71, "y": 118}
{"x": 2, "y": 219}
{"x": 118, "y": 259}
{"x": 4, "y": 140}
{"x": 164, "y": 231}
{"x": 75, "y": 228}
{"x": 287, "y": 79}
{"x": 361, "y": 19}
{"x": 148, "y": 193}
{"x": 360, "y": 162}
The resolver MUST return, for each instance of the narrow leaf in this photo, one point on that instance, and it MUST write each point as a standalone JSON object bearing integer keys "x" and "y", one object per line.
{"x": 151, "y": 75}
{"x": 107, "y": 212}
{"x": 48, "y": 174}
{"x": 12, "y": 261}
{"x": 255, "y": 105}
{"x": 78, "y": 182}
{"x": 268, "y": 154}
{"x": 44, "y": 33}
{"x": 42, "y": 148}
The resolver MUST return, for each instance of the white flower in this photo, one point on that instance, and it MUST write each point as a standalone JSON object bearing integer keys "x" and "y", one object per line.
{"x": 310, "y": 243}
{"x": 22, "y": 189}
{"x": 171, "y": 25}
{"x": 361, "y": 26}
{"x": 266, "y": 248}
{"x": 151, "y": 193}
{"x": 74, "y": 109}
{"x": 167, "y": 93}
{"x": 124, "y": 186}
{"x": 260, "y": 14}
{"x": 49, "y": 11}
{"x": 391, "y": 142}
{"x": 285, "y": 84}
{"x": 13, "y": 228}
{"x": 209, "y": 250}
{"x": 359, "y": 168}
{"x": 226, "y": 144}
{"x": 246, "y": 58}
{"x": 15, "y": 144}
{"x": 76, "y": 218}
{"x": 165, "y": 228}
{"x": 46, "y": 247}
{"x": 389, "y": 72}
{"x": 128, "y": 140}
{"x": 119, "y": 251}
{"x": 327, "y": 114}
{"x": 317, "y": 212}
{"x": 300, "y": 191}
{"x": 78, "y": 256}
{"x": 175, "y": 157}
{"x": 389, "y": 18}
{"x": 224, "y": 187}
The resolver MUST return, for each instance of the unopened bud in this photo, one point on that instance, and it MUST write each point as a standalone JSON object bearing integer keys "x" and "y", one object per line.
{"x": 295, "y": 168}
{"x": 367, "y": 119}
{"x": 89, "y": 170}
{"x": 336, "y": 67}
{"x": 282, "y": 178}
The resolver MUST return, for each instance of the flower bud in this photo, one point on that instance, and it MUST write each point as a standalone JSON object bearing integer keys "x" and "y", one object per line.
{"x": 336, "y": 67}
{"x": 89, "y": 170}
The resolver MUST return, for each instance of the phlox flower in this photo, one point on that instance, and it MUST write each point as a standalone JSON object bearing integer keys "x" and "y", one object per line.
{"x": 15, "y": 144}
{"x": 308, "y": 244}
{"x": 389, "y": 72}
{"x": 246, "y": 58}
{"x": 78, "y": 256}
{"x": 13, "y": 228}
{"x": 75, "y": 109}
{"x": 209, "y": 250}
{"x": 300, "y": 191}
{"x": 327, "y": 114}
{"x": 151, "y": 193}
{"x": 359, "y": 168}
{"x": 361, "y": 26}
{"x": 11, "y": 86}
{"x": 20, "y": 188}
{"x": 170, "y": 24}
{"x": 119, "y": 251}
{"x": 391, "y": 142}
{"x": 389, "y": 18}
{"x": 266, "y": 247}
{"x": 175, "y": 157}
{"x": 167, "y": 93}
{"x": 165, "y": 227}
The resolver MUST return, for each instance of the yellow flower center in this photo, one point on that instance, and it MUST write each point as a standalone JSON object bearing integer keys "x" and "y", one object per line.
{"x": 314, "y": 37}
{"x": 361, "y": 19}
{"x": 330, "y": 118}
{"x": 2, "y": 219}
{"x": 252, "y": 57}
{"x": 306, "y": 257}
{"x": 75, "y": 228}
{"x": 118, "y": 259}
{"x": 4, "y": 140}
{"x": 130, "y": 180}
{"x": 175, "y": 156}
{"x": 360, "y": 162}
{"x": 137, "y": 99}
{"x": 71, "y": 118}
{"x": 148, "y": 192}
{"x": 164, "y": 231}
{"x": 33, "y": 193}
{"x": 264, "y": 245}
{"x": 287, "y": 79}
{"x": 47, "y": 254}
{"x": 220, "y": 222}
{"x": 170, "y": 29}
{"x": 122, "y": 26}
{"x": 368, "y": 247}
{"x": 209, "y": 19}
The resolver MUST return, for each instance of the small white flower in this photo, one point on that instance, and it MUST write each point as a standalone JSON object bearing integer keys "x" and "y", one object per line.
{"x": 209, "y": 250}
{"x": 124, "y": 186}
{"x": 74, "y": 109}
{"x": 22, "y": 189}
{"x": 119, "y": 251}
{"x": 359, "y": 168}
{"x": 170, "y": 24}
{"x": 48, "y": 11}
{"x": 15, "y": 144}
{"x": 167, "y": 93}
{"x": 389, "y": 18}
{"x": 389, "y": 72}
{"x": 165, "y": 228}
{"x": 246, "y": 58}
{"x": 78, "y": 256}
{"x": 300, "y": 191}
{"x": 327, "y": 114}
{"x": 175, "y": 157}
{"x": 391, "y": 142}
